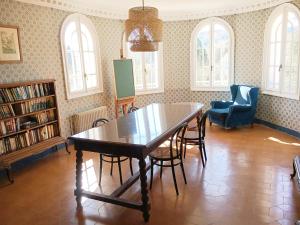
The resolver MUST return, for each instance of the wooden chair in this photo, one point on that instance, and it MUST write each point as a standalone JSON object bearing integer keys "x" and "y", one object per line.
{"x": 197, "y": 137}
{"x": 111, "y": 158}
{"x": 132, "y": 109}
{"x": 171, "y": 154}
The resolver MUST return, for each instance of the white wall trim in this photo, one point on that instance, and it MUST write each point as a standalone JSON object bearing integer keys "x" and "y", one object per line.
{"x": 166, "y": 16}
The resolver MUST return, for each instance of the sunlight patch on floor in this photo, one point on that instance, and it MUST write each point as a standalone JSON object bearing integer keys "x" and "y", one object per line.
{"x": 282, "y": 142}
{"x": 89, "y": 178}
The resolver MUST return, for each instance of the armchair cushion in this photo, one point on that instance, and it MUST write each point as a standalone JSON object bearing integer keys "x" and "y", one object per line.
{"x": 239, "y": 108}
{"x": 221, "y": 104}
{"x": 221, "y": 112}
{"x": 242, "y": 95}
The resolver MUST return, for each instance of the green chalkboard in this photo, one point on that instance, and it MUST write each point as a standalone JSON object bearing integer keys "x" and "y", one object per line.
{"x": 124, "y": 79}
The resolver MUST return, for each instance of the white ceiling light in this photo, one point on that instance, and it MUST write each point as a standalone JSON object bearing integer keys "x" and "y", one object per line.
{"x": 143, "y": 29}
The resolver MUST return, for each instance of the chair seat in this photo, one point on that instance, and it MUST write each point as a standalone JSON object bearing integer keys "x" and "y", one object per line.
{"x": 163, "y": 153}
{"x": 223, "y": 112}
{"x": 191, "y": 135}
{"x": 110, "y": 156}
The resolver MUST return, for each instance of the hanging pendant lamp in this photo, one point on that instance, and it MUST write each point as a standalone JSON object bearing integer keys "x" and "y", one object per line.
{"x": 143, "y": 29}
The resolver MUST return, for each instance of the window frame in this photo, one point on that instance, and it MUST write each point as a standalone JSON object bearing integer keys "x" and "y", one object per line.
{"x": 79, "y": 18}
{"x": 193, "y": 54}
{"x": 160, "y": 89}
{"x": 280, "y": 10}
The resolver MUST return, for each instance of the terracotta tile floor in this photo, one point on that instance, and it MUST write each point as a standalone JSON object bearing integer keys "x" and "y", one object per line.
{"x": 246, "y": 181}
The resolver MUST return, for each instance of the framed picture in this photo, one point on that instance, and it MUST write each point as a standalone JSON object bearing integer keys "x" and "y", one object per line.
{"x": 10, "y": 50}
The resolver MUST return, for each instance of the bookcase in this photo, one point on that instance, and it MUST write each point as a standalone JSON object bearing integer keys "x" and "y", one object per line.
{"x": 29, "y": 121}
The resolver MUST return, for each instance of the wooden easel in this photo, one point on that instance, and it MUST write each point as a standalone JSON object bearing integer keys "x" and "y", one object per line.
{"x": 124, "y": 103}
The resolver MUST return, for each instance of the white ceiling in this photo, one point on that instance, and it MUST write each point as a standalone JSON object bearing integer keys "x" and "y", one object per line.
{"x": 168, "y": 9}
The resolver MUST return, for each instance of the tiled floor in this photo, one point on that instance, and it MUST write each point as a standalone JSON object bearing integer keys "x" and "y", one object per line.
{"x": 246, "y": 181}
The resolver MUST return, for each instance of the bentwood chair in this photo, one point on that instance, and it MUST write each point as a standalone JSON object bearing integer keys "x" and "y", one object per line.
{"x": 197, "y": 137}
{"x": 132, "y": 109}
{"x": 171, "y": 153}
{"x": 109, "y": 157}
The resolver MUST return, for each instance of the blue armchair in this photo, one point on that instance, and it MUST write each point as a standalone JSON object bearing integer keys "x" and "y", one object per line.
{"x": 240, "y": 111}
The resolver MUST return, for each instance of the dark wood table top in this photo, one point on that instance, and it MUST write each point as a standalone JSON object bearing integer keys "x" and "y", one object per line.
{"x": 145, "y": 128}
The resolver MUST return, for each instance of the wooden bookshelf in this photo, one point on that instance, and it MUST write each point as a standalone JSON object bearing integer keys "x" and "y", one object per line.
{"x": 29, "y": 121}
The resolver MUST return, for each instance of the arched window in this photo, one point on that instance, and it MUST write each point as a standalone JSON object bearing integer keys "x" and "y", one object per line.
{"x": 281, "y": 52}
{"x": 212, "y": 56}
{"x": 81, "y": 56}
{"x": 147, "y": 69}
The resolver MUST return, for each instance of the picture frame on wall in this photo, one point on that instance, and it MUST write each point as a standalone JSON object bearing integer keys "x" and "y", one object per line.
{"x": 10, "y": 49}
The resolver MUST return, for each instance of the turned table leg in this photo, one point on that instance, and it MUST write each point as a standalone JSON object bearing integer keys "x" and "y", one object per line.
{"x": 67, "y": 148}
{"x": 78, "y": 190}
{"x": 144, "y": 190}
{"x": 9, "y": 175}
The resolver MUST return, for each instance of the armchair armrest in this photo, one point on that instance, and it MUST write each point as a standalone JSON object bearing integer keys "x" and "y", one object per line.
{"x": 221, "y": 104}
{"x": 240, "y": 108}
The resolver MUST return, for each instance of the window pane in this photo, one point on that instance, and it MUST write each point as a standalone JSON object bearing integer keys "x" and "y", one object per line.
{"x": 73, "y": 61}
{"x": 291, "y": 71}
{"x": 87, "y": 41}
{"x": 221, "y": 56}
{"x": 276, "y": 30}
{"x": 90, "y": 69}
{"x": 71, "y": 38}
{"x": 270, "y": 81}
{"x": 137, "y": 67}
{"x": 275, "y": 48}
{"x": 89, "y": 63}
{"x": 74, "y": 71}
{"x": 203, "y": 56}
{"x": 151, "y": 70}
{"x": 91, "y": 81}
{"x": 292, "y": 27}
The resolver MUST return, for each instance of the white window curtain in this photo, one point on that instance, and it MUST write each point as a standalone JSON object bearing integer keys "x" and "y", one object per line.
{"x": 212, "y": 56}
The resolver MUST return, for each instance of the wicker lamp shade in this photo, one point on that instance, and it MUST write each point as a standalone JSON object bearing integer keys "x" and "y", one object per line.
{"x": 143, "y": 29}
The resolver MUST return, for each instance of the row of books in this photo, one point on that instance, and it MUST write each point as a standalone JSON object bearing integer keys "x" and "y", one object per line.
{"x": 33, "y": 105}
{"x": 6, "y": 111}
{"x": 14, "y": 125}
{"x": 42, "y": 133}
{"x": 24, "y": 92}
{"x": 20, "y": 141}
{"x": 25, "y": 107}
{"x": 44, "y": 117}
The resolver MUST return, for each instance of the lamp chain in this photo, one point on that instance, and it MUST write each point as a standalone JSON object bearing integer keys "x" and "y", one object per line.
{"x": 143, "y": 4}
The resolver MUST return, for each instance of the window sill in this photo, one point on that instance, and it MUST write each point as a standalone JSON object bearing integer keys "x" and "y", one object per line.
{"x": 226, "y": 89}
{"x": 80, "y": 94}
{"x": 149, "y": 92}
{"x": 280, "y": 95}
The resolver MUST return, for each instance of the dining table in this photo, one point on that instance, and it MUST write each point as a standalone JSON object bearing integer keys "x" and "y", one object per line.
{"x": 134, "y": 135}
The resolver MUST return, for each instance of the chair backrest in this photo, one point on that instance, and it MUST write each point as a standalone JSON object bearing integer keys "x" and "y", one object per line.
{"x": 177, "y": 139}
{"x": 99, "y": 122}
{"x": 132, "y": 109}
{"x": 243, "y": 94}
{"x": 202, "y": 124}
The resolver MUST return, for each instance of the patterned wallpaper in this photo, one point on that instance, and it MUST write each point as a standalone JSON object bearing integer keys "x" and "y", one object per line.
{"x": 249, "y": 34}
{"x": 39, "y": 33}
